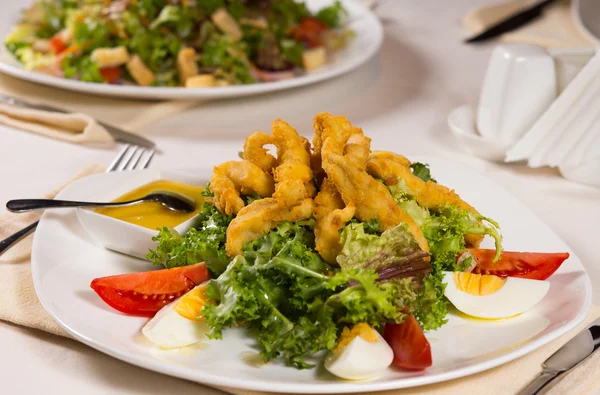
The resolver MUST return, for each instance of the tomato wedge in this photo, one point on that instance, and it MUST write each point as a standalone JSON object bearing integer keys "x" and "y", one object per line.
{"x": 110, "y": 74}
{"x": 145, "y": 293}
{"x": 57, "y": 45}
{"x": 310, "y": 30}
{"x": 411, "y": 347}
{"x": 532, "y": 265}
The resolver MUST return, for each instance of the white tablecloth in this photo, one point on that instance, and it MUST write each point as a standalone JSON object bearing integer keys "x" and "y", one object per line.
{"x": 401, "y": 99}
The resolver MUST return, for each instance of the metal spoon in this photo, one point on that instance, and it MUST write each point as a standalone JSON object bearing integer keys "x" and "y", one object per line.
{"x": 171, "y": 200}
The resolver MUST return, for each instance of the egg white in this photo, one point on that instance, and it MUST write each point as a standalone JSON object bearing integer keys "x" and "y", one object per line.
{"x": 168, "y": 329}
{"x": 516, "y": 296}
{"x": 360, "y": 359}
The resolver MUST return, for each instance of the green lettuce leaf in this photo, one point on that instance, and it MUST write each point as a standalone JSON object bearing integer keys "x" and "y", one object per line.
{"x": 295, "y": 303}
{"x": 422, "y": 171}
{"x": 204, "y": 242}
{"x": 395, "y": 250}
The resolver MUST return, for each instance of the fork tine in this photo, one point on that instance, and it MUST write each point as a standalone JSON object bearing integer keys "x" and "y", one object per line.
{"x": 123, "y": 165}
{"x": 146, "y": 162}
{"x": 135, "y": 159}
{"x": 113, "y": 165}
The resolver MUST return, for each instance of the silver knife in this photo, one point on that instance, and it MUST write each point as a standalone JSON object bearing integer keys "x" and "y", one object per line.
{"x": 567, "y": 357}
{"x": 119, "y": 134}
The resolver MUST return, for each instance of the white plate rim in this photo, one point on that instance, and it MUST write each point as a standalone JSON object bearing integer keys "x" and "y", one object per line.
{"x": 366, "y": 15}
{"x": 342, "y": 386}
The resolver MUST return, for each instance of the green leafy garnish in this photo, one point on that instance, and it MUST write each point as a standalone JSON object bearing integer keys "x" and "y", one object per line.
{"x": 422, "y": 171}
{"x": 82, "y": 68}
{"x": 296, "y": 303}
{"x": 332, "y": 15}
{"x": 205, "y": 242}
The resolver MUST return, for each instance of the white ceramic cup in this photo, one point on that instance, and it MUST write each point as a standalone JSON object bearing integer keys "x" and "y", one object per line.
{"x": 519, "y": 85}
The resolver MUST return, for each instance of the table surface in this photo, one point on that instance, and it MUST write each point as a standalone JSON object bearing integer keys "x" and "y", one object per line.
{"x": 401, "y": 99}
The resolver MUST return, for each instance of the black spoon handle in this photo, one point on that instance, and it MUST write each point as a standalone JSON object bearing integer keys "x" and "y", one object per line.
{"x": 24, "y": 205}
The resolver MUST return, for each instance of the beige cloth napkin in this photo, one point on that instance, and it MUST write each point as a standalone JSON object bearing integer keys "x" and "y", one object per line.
{"x": 20, "y": 303}
{"x": 73, "y": 127}
{"x": 555, "y": 29}
{"x": 80, "y": 126}
{"x": 21, "y": 306}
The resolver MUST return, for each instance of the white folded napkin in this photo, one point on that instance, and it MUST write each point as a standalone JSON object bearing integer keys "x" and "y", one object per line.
{"x": 567, "y": 135}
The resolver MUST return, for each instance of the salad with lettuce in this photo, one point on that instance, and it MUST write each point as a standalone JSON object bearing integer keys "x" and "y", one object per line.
{"x": 187, "y": 43}
{"x": 328, "y": 251}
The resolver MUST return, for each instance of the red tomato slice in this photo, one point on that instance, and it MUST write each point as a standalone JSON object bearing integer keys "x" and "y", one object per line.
{"x": 309, "y": 31}
{"x": 411, "y": 347}
{"x": 57, "y": 45}
{"x": 532, "y": 265}
{"x": 110, "y": 74}
{"x": 146, "y": 293}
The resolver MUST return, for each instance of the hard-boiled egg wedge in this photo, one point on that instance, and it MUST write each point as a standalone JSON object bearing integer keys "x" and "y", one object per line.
{"x": 491, "y": 297}
{"x": 361, "y": 353}
{"x": 179, "y": 323}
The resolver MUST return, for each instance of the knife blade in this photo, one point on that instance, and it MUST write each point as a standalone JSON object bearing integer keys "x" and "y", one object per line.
{"x": 118, "y": 134}
{"x": 567, "y": 357}
{"x": 512, "y": 22}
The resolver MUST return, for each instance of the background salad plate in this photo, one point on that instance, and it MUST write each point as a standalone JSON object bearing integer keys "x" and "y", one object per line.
{"x": 65, "y": 260}
{"x": 365, "y": 24}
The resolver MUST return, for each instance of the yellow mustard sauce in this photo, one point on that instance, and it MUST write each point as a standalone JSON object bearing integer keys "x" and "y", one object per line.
{"x": 153, "y": 215}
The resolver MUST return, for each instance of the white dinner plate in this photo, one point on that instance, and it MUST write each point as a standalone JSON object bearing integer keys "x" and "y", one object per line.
{"x": 65, "y": 260}
{"x": 365, "y": 44}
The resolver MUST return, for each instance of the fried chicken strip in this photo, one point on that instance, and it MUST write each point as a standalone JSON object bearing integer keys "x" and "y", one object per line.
{"x": 332, "y": 215}
{"x": 294, "y": 189}
{"x": 388, "y": 167}
{"x": 293, "y": 176}
{"x": 255, "y": 152}
{"x": 259, "y": 217}
{"x": 230, "y": 179}
{"x": 371, "y": 198}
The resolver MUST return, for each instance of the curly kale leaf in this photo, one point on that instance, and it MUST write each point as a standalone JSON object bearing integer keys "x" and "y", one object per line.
{"x": 204, "y": 242}
{"x": 281, "y": 289}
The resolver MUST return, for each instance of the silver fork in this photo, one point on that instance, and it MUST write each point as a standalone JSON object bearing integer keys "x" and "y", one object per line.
{"x": 131, "y": 157}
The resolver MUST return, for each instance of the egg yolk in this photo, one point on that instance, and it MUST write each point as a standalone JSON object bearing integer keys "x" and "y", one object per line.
{"x": 477, "y": 284}
{"x": 191, "y": 304}
{"x": 363, "y": 330}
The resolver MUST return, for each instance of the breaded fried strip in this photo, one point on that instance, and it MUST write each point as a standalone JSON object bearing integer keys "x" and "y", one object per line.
{"x": 230, "y": 179}
{"x": 294, "y": 189}
{"x": 428, "y": 194}
{"x": 259, "y": 217}
{"x": 371, "y": 198}
{"x": 255, "y": 152}
{"x": 331, "y": 134}
{"x": 332, "y": 215}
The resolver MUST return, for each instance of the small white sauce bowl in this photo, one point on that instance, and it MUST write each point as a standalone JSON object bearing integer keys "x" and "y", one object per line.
{"x": 118, "y": 235}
